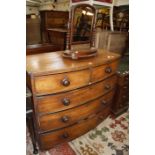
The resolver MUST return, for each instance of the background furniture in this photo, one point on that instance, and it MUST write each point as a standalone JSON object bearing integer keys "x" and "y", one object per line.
{"x": 102, "y": 21}
{"x": 41, "y": 48}
{"x": 57, "y": 36}
{"x": 121, "y": 97}
{"x": 112, "y": 41}
{"x": 53, "y": 19}
{"x": 33, "y": 33}
{"x": 121, "y": 18}
{"x": 69, "y": 95}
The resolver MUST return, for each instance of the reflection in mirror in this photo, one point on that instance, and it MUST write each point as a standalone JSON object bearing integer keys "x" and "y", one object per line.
{"x": 82, "y": 23}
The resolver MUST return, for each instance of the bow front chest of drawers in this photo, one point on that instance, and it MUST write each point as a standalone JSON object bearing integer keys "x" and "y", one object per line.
{"x": 70, "y": 97}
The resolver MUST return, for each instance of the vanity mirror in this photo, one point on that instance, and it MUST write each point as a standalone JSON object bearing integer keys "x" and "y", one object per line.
{"x": 81, "y": 29}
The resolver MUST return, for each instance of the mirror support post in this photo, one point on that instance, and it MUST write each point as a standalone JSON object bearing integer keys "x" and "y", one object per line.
{"x": 111, "y": 19}
{"x": 94, "y": 31}
{"x": 67, "y": 50}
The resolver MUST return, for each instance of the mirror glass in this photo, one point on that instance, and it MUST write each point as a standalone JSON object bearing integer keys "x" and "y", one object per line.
{"x": 82, "y": 23}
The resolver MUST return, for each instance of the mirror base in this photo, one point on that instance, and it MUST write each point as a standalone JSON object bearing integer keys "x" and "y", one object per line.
{"x": 80, "y": 54}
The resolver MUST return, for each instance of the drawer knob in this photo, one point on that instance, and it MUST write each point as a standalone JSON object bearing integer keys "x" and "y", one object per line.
{"x": 107, "y": 87}
{"x": 124, "y": 96}
{"x": 125, "y": 87}
{"x": 65, "y": 82}
{"x": 104, "y": 102}
{"x": 66, "y": 101}
{"x": 65, "y": 135}
{"x": 126, "y": 78}
{"x": 101, "y": 117}
{"x": 65, "y": 119}
{"x": 108, "y": 69}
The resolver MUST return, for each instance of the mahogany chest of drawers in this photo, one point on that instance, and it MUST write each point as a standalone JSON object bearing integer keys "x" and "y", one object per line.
{"x": 69, "y": 94}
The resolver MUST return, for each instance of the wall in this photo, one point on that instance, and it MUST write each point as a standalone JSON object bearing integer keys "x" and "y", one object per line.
{"x": 60, "y": 5}
{"x": 32, "y": 10}
{"x": 121, "y": 2}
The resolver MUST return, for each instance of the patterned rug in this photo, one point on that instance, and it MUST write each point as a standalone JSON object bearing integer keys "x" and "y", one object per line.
{"x": 108, "y": 138}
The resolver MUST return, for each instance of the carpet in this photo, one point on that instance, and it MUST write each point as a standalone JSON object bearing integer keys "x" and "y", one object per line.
{"x": 108, "y": 138}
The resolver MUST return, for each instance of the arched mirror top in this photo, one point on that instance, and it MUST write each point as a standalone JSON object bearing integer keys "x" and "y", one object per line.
{"x": 82, "y": 20}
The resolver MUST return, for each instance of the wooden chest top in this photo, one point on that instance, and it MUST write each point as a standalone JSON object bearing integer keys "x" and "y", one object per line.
{"x": 51, "y": 63}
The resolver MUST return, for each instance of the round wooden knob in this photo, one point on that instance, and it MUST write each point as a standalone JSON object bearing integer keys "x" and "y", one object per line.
{"x": 65, "y": 82}
{"x": 65, "y": 135}
{"x": 104, "y": 102}
{"x": 101, "y": 117}
{"x": 126, "y": 78}
{"x": 124, "y": 96}
{"x": 108, "y": 69}
{"x": 66, "y": 101}
{"x": 65, "y": 119}
{"x": 125, "y": 87}
{"x": 107, "y": 87}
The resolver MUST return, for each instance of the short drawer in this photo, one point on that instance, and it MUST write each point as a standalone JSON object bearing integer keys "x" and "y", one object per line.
{"x": 63, "y": 101}
{"x": 104, "y": 71}
{"x": 48, "y": 140}
{"x": 73, "y": 115}
{"x": 61, "y": 82}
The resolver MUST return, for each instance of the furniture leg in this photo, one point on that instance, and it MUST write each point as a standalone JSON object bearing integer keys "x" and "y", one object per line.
{"x": 31, "y": 129}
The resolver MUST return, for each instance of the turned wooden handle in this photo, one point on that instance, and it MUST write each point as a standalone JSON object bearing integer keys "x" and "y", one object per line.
{"x": 65, "y": 135}
{"x": 65, "y": 82}
{"x": 126, "y": 78}
{"x": 65, "y": 119}
{"x": 66, "y": 101}
{"x": 125, "y": 87}
{"x": 107, "y": 87}
{"x": 104, "y": 102}
{"x": 108, "y": 69}
{"x": 101, "y": 117}
{"x": 124, "y": 96}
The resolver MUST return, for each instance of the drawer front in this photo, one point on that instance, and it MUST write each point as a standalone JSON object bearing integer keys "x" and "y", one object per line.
{"x": 68, "y": 117}
{"x": 123, "y": 95}
{"x": 61, "y": 82}
{"x": 63, "y": 101}
{"x": 123, "y": 104}
{"x": 56, "y": 137}
{"x": 125, "y": 88}
{"x": 104, "y": 71}
{"x": 72, "y": 80}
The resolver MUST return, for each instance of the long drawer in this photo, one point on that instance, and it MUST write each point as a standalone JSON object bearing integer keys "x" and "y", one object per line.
{"x": 71, "y": 80}
{"x": 63, "y": 101}
{"x": 48, "y": 140}
{"x": 70, "y": 116}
